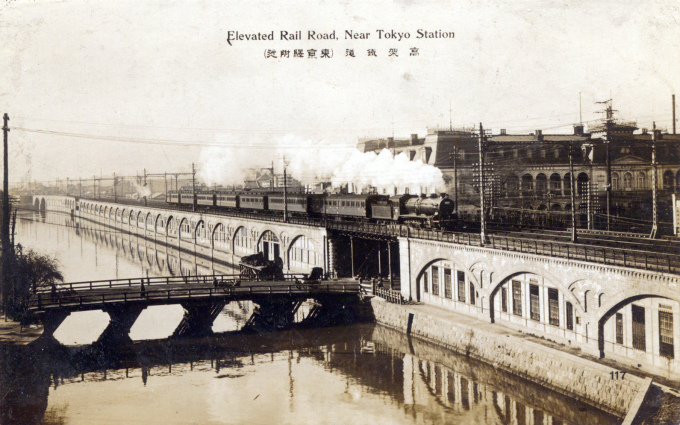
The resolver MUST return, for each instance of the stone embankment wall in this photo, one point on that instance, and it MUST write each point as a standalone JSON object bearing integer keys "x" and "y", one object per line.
{"x": 577, "y": 378}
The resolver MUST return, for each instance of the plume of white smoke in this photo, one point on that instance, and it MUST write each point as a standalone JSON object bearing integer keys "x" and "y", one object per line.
{"x": 312, "y": 162}
{"x": 142, "y": 191}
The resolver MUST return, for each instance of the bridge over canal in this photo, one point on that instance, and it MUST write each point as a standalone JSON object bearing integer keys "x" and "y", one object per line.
{"x": 202, "y": 297}
{"x": 609, "y": 295}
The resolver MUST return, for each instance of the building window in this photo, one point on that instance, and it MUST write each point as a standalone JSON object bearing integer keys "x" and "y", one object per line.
{"x": 425, "y": 282}
{"x": 553, "y": 307}
{"x": 641, "y": 181}
{"x": 666, "y": 348}
{"x": 435, "y": 281}
{"x": 570, "y": 316}
{"x": 447, "y": 284}
{"x": 639, "y": 336}
{"x": 534, "y": 306}
{"x": 504, "y": 299}
{"x": 517, "y": 297}
{"x": 461, "y": 286}
{"x": 627, "y": 181}
{"x": 472, "y": 294}
{"x": 615, "y": 181}
{"x": 619, "y": 328}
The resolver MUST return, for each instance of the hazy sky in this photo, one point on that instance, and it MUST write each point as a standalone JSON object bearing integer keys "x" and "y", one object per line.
{"x": 163, "y": 72}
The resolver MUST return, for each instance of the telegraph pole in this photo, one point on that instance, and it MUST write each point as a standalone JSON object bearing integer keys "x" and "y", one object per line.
{"x": 285, "y": 192}
{"x": 193, "y": 187}
{"x": 145, "y": 197}
{"x": 6, "y": 260}
{"x": 655, "y": 216}
{"x": 482, "y": 218}
{"x": 572, "y": 190}
{"x": 455, "y": 178}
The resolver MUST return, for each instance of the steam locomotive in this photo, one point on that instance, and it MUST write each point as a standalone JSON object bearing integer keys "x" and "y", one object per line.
{"x": 424, "y": 211}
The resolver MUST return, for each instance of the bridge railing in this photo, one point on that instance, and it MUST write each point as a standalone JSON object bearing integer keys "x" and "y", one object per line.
{"x": 75, "y": 299}
{"x": 220, "y": 280}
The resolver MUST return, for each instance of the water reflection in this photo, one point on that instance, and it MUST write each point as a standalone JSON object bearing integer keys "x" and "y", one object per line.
{"x": 353, "y": 374}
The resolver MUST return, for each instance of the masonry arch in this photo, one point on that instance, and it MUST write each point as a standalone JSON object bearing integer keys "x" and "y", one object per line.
{"x": 159, "y": 224}
{"x": 642, "y": 328}
{"x": 220, "y": 237}
{"x": 201, "y": 233}
{"x": 447, "y": 282}
{"x": 140, "y": 219}
{"x": 106, "y": 212}
{"x": 535, "y": 300}
{"x": 172, "y": 226}
{"x": 43, "y": 205}
{"x": 132, "y": 217}
{"x": 185, "y": 230}
{"x": 242, "y": 243}
{"x": 150, "y": 222}
{"x": 303, "y": 254}
{"x": 124, "y": 216}
{"x": 270, "y": 245}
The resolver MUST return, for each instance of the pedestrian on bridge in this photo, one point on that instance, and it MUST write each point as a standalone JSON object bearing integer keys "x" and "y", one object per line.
{"x": 142, "y": 289}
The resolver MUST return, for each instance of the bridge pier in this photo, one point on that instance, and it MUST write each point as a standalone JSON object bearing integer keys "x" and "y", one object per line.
{"x": 51, "y": 322}
{"x": 198, "y": 318}
{"x": 273, "y": 314}
{"x": 118, "y": 330}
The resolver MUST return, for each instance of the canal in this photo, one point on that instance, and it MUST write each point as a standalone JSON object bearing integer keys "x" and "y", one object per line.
{"x": 357, "y": 374}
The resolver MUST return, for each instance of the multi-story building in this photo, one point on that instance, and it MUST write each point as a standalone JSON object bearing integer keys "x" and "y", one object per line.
{"x": 527, "y": 176}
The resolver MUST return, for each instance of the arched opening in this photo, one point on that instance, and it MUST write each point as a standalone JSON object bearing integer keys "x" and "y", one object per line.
{"x": 529, "y": 301}
{"x": 43, "y": 205}
{"x": 150, "y": 222}
{"x": 627, "y": 181}
{"x": 160, "y": 225}
{"x": 541, "y": 183}
{"x": 243, "y": 244}
{"x": 172, "y": 226}
{"x": 582, "y": 185}
{"x": 185, "y": 230}
{"x": 512, "y": 184}
{"x": 443, "y": 282}
{"x": 220, "y": 237}
{"x": 202, "y": 233}
{"x": 269, "y": 245}
{"x": 555, "y": 184}
{"x": 527, "y": 184}
{"x": 616, "y": 183}
{"x": 36, "y": 204}
{"x": 556, "y": 207}
{"x": 303, "y": 255}
{"x": 132, "y": 217}
{"x": 642, "y": 328}
{"x": 106, "y": 212}
{"x": 140, "y": 219}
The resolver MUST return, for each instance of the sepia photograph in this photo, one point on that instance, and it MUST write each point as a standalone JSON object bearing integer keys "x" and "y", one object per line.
{"x": 339, "y": 212}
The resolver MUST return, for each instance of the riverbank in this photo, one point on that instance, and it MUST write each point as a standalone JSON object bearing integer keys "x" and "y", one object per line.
{"x": 13, "y": 333}
{"x": 552, "y": 365}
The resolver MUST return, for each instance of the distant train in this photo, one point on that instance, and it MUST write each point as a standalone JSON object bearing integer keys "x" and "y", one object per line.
{"x": 425, "y": 211}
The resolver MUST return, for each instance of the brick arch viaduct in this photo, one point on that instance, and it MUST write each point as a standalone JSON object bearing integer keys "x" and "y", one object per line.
{"x": 584, "y": 304}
